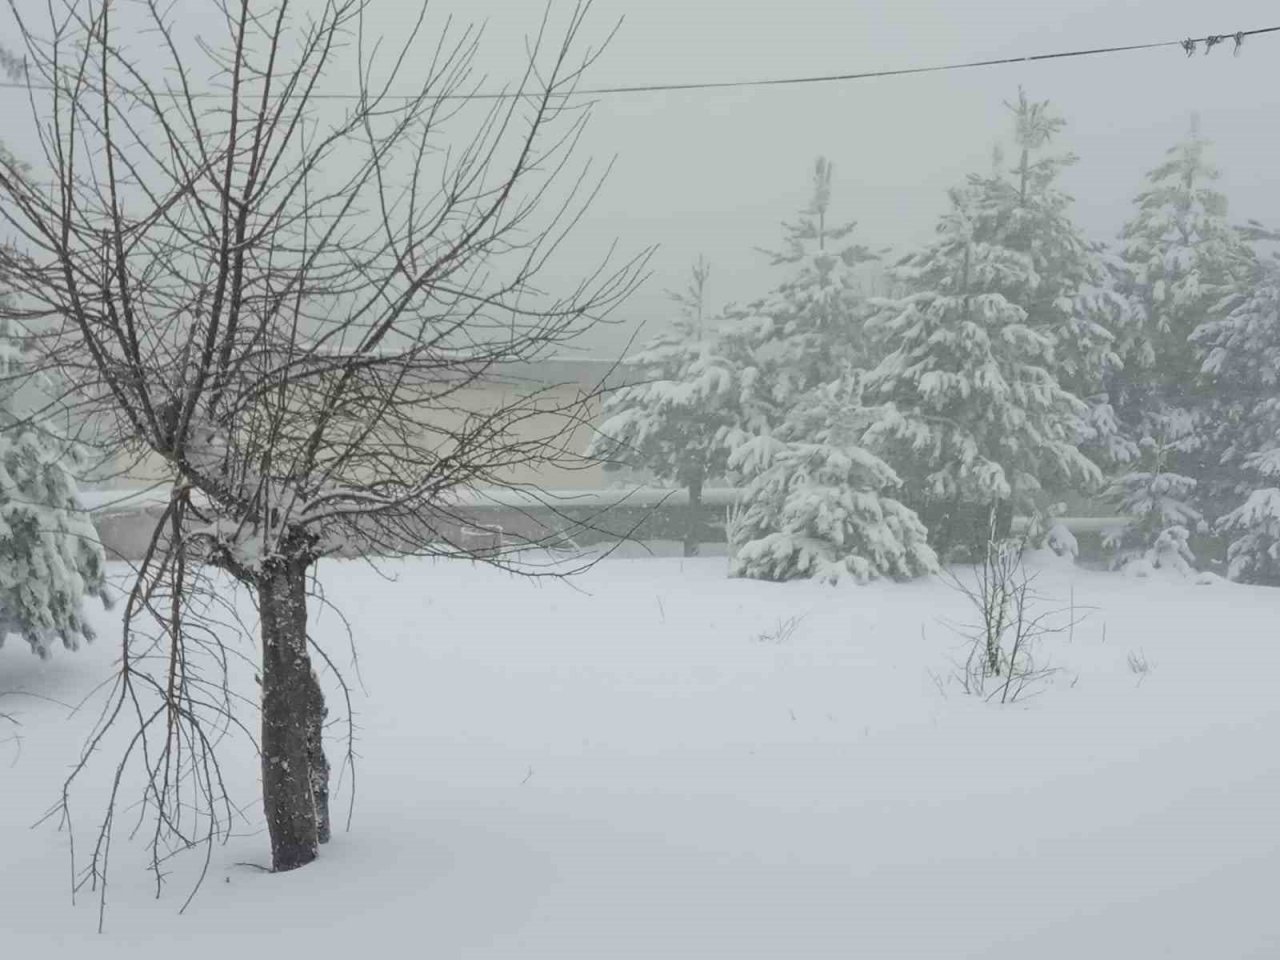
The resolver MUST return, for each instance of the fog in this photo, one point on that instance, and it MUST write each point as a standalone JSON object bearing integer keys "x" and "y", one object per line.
{"x": 714, "y": 172}
{"x": 934, "y": 617}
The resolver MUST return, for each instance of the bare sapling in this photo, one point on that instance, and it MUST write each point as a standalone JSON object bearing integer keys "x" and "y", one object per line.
{"x": 1012, "y": 619}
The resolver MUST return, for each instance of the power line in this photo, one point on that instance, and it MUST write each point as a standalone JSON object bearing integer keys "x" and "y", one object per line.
{"x": 1190, "y": 45}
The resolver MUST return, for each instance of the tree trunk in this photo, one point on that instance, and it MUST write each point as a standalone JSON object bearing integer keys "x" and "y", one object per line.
{"x": 294, "y": 772}
{"x": 941, "y": 519}
{"x": 319, "y": 763}
{"x": 1004, "y": 510}
{"x": 693, "y": 526}
{"x": 1004, "y": 519}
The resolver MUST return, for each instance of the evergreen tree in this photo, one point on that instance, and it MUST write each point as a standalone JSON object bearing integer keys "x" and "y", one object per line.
{"x": 975, "y": 418}
{"x": 816, "y": 503}
{"x": 1242, "y": 364}
{"x": 678, "y": 418}
{"x": 1240, "y": 348}
{"x": 1253, "y": 555}
{"x": 50, "y": 555}
{"x": 1158, "y": 504}
{"x": 819, "y": 507}
{"x": 812, "y": 322}
{"x": 1067, "y": 293}
{"x": 1180, "y": 256}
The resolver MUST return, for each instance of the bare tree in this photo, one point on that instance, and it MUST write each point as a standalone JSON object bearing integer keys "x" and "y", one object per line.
{"x": 288, "y": 298}
{"x": 1012, "y": 620}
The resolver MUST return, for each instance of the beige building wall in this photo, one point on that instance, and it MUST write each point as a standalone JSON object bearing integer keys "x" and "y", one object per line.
{"x": 572, "y": 381}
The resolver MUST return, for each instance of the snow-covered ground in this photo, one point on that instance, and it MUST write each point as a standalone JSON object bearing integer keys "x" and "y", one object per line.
{"x": 622, "y": 767}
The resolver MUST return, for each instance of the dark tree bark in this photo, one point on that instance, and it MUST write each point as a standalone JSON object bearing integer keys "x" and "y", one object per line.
{"x": 693, "y": 525}
{"x": 319, "y": 763}
{"x": 294, "y": 774}
{"x": 941, "y": 519}
{"x": 1003, "y": 519}
{"x": 1001, "y": 522}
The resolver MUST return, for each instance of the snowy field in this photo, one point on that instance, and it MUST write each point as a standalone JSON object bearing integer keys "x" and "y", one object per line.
{"x": 623, "y": 767}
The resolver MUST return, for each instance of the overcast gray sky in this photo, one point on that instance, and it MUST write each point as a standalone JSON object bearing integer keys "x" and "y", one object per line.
{"x": 715, "y": 172}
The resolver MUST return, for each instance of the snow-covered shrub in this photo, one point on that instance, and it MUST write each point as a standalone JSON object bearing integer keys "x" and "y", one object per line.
{"x": 1046, "y": 532}
{"x": 1062, "y": 542}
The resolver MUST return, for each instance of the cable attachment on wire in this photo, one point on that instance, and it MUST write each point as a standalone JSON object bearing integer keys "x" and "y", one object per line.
{"x": 1189, "y": 45}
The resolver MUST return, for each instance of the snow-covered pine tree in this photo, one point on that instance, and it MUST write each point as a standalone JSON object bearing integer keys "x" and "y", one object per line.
{"x": 1179, "y": 257}
{"x": 1158, "y": 503}
{"x": 678, "y": 416}
{"x": 1253, "y": 555}
{"x": 1242, "y": 364}
{"x": 50, "y": 556}
{"x": 820, "y": 507}
{"x": 1069, "y": 294}
{"x": 974, "y": 417}
{"x": 817, "y": 311}
{"x": 816, "y": 503}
